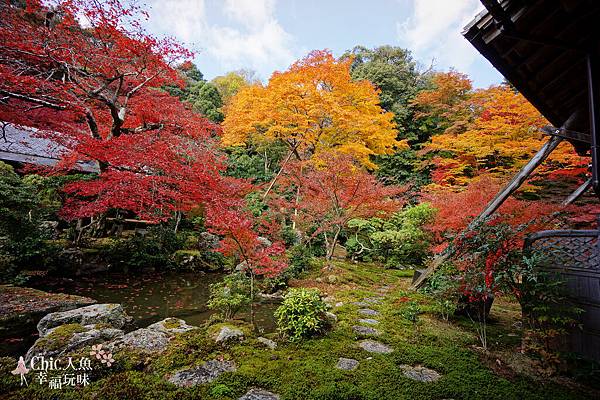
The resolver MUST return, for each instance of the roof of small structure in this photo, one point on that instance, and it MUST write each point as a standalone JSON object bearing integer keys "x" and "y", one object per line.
{"x": 23, "y": 146}
{"x": 540, "y": 46}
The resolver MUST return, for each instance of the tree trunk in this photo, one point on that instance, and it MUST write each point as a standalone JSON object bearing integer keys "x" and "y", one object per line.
{"x": 333, "y": 243}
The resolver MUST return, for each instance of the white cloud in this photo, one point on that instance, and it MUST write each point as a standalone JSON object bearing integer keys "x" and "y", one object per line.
{"x": 433, "y": 31}
{"x": 247, "y": 34}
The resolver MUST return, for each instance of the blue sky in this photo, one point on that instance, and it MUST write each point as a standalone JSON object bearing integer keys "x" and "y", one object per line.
{"x": 268, "y": 35}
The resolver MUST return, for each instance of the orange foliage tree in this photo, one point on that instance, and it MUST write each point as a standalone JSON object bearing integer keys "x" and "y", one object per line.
{"x": 313, "y": 107}
{"x": 442, "y": 108}
{"x": 496, "y": 131}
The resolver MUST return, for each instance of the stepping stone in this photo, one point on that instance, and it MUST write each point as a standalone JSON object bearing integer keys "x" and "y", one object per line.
{"x": 361, "y": 304}
{"x": 368, "y": 321}
{"x": 420, "y": 374}
{"x": 259, "y": 394}
{"x": 365, "y": 330}
{"x": 368, "y": 311}
{"x": 373, "y": 300}
{"x": 375, "y": 347}
{"x": 205, "y": 373}
{"x": 347, "y": 364}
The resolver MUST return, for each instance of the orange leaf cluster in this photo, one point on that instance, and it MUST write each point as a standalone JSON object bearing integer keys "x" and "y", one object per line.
{"x": 314, "y": 107}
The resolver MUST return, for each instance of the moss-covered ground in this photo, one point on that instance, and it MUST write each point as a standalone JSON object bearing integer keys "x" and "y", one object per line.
{"x": 307, "y": 370}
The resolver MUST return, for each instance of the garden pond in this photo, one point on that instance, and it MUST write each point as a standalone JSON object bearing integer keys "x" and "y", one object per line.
{"x": 147, "y": 298}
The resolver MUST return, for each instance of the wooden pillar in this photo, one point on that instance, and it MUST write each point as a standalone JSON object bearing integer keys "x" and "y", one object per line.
{"x": 593, "y": 78}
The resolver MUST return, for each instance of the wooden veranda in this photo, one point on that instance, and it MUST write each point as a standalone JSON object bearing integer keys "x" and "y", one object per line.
{"x": 550, "y": 51}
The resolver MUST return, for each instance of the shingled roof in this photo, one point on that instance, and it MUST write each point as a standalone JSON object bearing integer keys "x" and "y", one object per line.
{"x": 540, "y": 47}
{"x": 22, "y": 146}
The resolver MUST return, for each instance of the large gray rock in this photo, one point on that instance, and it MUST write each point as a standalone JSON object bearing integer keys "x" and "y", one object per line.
{"x": 208, "y": 242}
{"x": 171, "y": 326}
{"x": 68, "y": 338}
{"x": 112, "y": 315}
{"x": 259, "y": 394}
{"x": 347, "y": 364}
{"x": 205, "y": 373}
{"x": 375, "y": 347}
{"x": 144, "y": 339}
{"x": 227, "y": 335}
{"x": 419, "y": 373}
{"x": 241, "y": 267}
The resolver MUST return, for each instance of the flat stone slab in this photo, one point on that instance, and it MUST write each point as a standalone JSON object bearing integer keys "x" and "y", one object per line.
{"x": 420, "y": 374}
{"x": 19, "y": 305}
{"x": 259, "y": 394}
{"x": 207, "y": 372}
{"x": 375, "y": 347}
{"x": 347, "y": 364}
{"x": 16, "y": 300}
{"x": 111, "y": 314}
{"x": 368, "y": 311}
{"x": 365, "y": 330}
{"x": 361, "y": 304}
{"x": 368, "y": 321}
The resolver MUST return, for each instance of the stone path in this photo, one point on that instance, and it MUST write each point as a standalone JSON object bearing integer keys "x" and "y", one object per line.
{"x": 365, "y": 331}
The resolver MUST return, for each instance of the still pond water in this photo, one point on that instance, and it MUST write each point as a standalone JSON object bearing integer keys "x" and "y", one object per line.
{"x": 149, "y": 298}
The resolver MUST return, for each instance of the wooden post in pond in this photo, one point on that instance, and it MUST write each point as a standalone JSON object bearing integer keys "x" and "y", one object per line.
{"x": 497, "y": 201}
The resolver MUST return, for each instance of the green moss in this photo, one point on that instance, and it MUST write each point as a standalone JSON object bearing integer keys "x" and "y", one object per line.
{"x": 60, "y": 336}
{"x": 306, "y": 370}
{"x": 172, "y": 323}
{"x": 184, "y": 253}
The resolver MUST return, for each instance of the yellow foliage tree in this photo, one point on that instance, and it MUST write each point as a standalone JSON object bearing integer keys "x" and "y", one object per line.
{"x": 313, "y": 107}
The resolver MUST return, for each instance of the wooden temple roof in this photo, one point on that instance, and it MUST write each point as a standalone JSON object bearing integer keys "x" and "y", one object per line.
{"x": 540, "y": 46}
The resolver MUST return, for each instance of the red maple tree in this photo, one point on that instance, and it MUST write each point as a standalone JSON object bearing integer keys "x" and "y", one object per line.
{"x": 320, "y": 198}
{"x": 456, "y": 209}
{"x": 85, "y": 74}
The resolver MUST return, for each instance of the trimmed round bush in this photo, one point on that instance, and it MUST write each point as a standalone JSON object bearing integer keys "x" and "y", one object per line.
{"x": 301, "y": 314}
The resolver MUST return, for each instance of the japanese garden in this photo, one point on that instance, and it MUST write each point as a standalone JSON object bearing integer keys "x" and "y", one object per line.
{"x": 357, "y": 225}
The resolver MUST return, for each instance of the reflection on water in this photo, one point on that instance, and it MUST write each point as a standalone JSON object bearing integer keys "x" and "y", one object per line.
{"x": 148, "y": 298}
{"x": 151, "y": 297}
